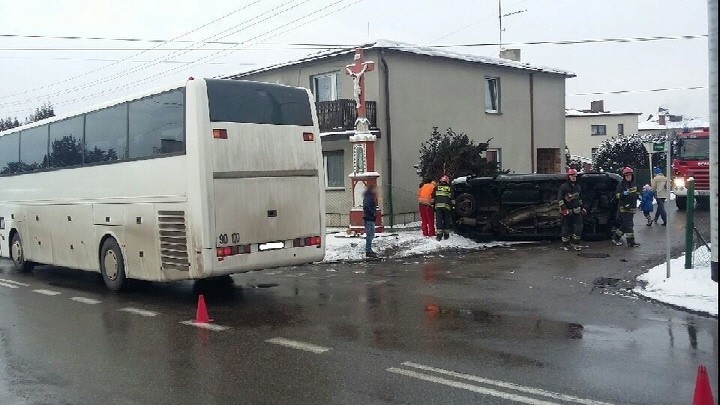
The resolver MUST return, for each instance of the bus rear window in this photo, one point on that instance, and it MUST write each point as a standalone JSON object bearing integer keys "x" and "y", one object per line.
{"x": 258, "y": 103}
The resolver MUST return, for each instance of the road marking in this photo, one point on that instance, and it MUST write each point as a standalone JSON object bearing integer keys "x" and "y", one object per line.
{"x": 295, "y": 344}
{"x": 137, "y": 311}
{"x": 84, "y": 300}
{"x": 47, "y": 292}
{"x": 469, "y": 387}
{"x": 14, "y": 282}
{"x": 210, "y": 326}
{"x": 507, "y": 385}
{"x": 8, "y": 285}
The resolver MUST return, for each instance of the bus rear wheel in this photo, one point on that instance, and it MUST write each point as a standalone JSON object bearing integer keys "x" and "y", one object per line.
{"x": 112, "y": 265}
{"x": 18, "y": 255}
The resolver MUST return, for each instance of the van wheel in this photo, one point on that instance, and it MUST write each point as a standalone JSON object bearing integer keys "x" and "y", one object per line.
{"x": 112, "y": 265}
{"x": 465, "y": 205}
{"x": 18, "y": 255}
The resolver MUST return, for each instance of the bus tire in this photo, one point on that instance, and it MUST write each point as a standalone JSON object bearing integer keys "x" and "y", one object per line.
{"x": 17, "y": 254}
{"x": 112, "y": 265}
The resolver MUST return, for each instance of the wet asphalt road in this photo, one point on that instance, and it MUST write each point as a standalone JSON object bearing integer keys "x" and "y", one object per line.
{"x": 509, "y": 325}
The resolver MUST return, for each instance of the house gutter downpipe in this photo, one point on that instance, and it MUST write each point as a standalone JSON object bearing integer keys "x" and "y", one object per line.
{"x": 388, "y": 134}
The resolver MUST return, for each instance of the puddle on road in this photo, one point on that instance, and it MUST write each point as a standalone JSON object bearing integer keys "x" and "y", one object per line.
{"x": 497, "y": 325}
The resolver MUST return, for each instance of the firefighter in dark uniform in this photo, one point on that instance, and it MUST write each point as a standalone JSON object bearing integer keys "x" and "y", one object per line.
{"x": 442, "y": 203}
{"x": 627, "y": 196}
{"x": 571, "y": 211}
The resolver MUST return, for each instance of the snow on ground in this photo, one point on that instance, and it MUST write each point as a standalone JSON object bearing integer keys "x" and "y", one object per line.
{"x": 687, "y": 288}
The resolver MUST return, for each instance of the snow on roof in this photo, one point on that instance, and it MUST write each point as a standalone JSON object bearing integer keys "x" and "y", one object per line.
{"x": 571, "y": 112}
{"x": 410, "y": 48}
{"x": 652, "y": 124}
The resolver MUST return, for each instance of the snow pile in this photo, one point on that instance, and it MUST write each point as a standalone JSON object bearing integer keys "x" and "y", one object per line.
{"x": 687, "y": 288}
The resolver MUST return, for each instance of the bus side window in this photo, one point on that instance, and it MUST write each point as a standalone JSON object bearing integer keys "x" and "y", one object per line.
{"x": 157, "y": 125}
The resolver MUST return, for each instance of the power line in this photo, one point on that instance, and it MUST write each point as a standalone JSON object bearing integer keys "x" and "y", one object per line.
{"x": 638, "y": 91}
{"x": 145, "y": 66}
{"x": 325, "y": 10}
{"x": 582, "y": 41}
{"x": 330, "y": 46}
{"x": 132, "y": 56}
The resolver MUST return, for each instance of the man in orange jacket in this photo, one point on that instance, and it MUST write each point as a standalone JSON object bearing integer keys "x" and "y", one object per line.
{"x": 427, "y": 215}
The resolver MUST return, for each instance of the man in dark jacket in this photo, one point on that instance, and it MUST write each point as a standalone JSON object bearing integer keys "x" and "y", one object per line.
{"x": 627, "y": 196}
{"x": 369, "y": 212}
{"x": 571, "y": 211}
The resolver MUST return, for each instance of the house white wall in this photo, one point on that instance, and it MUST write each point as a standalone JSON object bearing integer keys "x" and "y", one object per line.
{"x": 578, "y": 130}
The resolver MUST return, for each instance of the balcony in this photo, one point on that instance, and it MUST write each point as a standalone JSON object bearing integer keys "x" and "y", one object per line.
{"x": 340, "y": 115}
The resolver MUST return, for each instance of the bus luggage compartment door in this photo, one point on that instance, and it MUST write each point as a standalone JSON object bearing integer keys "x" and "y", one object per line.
{"x": 265, "y": 209}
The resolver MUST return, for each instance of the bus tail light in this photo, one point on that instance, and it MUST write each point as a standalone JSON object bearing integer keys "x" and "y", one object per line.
{"x": 308, "y": 136}
{"x": 219, "y": 133}
{"x": 225, "y": 251}
{"x": 309, "y": 241}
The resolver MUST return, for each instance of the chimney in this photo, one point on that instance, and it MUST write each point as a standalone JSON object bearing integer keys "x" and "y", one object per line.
{"x": 597, "y": 106}
{"x": 661, "y": 119}
{"x": 512, "y": 54}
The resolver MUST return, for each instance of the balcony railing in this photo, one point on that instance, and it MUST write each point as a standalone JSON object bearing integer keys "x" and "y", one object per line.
{"x": 340, "y": 115}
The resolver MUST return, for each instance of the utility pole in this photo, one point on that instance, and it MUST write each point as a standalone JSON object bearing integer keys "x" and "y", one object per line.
{"x": 713, "y": 61}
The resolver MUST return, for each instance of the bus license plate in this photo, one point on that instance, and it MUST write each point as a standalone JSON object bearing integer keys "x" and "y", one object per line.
{"x": 271, "y": 246}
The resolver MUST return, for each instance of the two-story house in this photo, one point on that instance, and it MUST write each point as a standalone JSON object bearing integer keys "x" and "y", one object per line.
{"x": 412, "y": 89}
{"x": 586, "y": 129}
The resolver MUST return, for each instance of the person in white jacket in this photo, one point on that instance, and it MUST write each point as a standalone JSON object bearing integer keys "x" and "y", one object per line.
{"x": 659, "y": 184}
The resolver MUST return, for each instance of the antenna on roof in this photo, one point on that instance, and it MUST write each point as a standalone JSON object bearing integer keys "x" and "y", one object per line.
{"x": 500, "y": 17}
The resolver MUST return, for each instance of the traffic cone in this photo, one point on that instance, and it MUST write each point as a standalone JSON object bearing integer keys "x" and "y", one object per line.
{"x": 703, "y": 392}
{"x": 201, "y": 316}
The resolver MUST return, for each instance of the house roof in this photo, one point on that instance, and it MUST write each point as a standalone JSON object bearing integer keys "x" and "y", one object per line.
{"x": 414, "y": 49}
{"x": 652, "y": 124}
{"x": 570, "y": 112}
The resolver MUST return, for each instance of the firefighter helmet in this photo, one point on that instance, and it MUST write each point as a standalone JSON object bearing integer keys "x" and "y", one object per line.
{"x": 572, "y": 172}
{"x": 627, "y": 170}
{"x": 444, "y": 179}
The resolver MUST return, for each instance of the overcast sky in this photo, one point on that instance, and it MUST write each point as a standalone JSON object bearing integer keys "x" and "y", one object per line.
{"x": 266, "y": 31}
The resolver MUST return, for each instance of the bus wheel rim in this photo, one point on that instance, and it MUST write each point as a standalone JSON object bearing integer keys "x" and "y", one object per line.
{"x": 111, "y": 265}
{"x": 17, "y": 252}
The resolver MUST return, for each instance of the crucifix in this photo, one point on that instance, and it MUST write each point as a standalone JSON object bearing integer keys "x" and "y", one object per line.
{"x": 363, "y": 146}
{"x": 357, "y": 71}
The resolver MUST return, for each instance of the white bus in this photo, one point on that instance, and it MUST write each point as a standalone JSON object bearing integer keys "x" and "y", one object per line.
{"x": 205, "y": 179}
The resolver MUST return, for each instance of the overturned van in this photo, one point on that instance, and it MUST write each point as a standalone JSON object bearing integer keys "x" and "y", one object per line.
{"x": 526, "y": 207}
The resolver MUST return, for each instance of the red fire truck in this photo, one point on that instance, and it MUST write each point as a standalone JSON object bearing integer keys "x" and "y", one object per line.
{"x": 691, "y": 158}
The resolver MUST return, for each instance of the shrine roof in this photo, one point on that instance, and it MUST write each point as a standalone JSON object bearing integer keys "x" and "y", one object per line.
{"x": 409, "y": 48}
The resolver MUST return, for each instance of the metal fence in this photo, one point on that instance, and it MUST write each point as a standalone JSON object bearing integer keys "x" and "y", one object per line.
{"x": 402, "y": 212}
{"x": 701, "y": 250}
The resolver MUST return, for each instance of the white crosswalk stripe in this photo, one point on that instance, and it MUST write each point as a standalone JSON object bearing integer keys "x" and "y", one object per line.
{"x": 84, "y": 300}
{"x": 13, "y": 282}
{"x": 47, "y": 292}
{"x": 137, "y": 311}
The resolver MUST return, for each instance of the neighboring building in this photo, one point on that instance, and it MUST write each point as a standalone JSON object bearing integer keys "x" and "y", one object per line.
{"x": 665, "y": 123}
{"x": 412, "y": 89}
{"x": 586, "y": 129}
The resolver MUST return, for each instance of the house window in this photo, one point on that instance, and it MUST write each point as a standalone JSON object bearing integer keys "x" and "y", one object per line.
{"x": 326, "y": 87}
{"x": 621, "y": 129}
{"x": 598, "y": 130}
{"x": 593, "y": 153}
{"x": 494, "y": 155}
{"x": 492, "y": 95}
{"x": 333, "y": 163}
